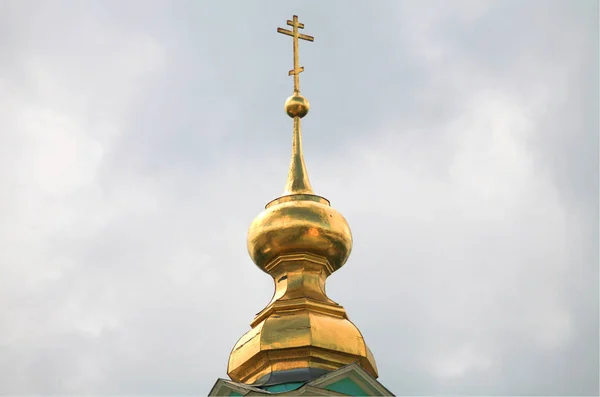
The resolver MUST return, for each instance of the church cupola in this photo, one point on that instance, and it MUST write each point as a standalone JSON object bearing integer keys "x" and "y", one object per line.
{"x": 299, "y": 240}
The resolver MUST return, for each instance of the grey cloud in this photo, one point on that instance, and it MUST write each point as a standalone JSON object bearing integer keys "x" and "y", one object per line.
{"x": 141, "y": 138}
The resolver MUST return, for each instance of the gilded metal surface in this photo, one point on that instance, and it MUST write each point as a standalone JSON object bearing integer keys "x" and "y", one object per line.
{"x": 296, "y": 106}
{"x": 297, "y": 180}
{"x": 299, "y": 226}
{"x": 295, "y": 36}
{"x": 299, "y": 239}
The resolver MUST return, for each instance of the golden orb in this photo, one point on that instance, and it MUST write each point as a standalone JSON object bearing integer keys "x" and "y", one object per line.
{"x": 297, "y": 106}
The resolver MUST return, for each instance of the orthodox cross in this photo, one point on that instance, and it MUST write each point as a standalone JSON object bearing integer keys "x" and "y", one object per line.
{"x": 295, "y": 35}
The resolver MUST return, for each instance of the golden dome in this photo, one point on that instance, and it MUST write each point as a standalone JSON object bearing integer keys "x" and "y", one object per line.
{"x": 300, "y": 240}
{"x": 299, "y": 223}
{"x": 303, "y": 338}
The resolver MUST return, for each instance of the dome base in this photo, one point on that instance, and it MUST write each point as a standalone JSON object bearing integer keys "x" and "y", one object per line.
{"x": 300, "y": 328}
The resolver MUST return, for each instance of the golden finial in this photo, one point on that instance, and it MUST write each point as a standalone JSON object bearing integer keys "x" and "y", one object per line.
{"x": 297, "y": 107}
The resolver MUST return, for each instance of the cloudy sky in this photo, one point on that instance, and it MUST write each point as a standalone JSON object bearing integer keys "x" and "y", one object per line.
{"x": 138, "y": 140}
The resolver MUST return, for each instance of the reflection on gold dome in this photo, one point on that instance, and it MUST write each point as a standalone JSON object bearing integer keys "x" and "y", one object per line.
{"x": 299, "y": 239}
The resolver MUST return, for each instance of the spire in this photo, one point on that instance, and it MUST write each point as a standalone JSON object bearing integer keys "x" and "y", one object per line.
{"x": 297, "y": 107}
{"x": 299, "y": 240}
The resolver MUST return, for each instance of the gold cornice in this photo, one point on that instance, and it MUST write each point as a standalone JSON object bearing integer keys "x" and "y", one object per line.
{"x": 297, "y": 257}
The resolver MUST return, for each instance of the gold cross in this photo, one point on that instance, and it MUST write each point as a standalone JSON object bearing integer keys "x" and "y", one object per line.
{"x": 295, "y": 35}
